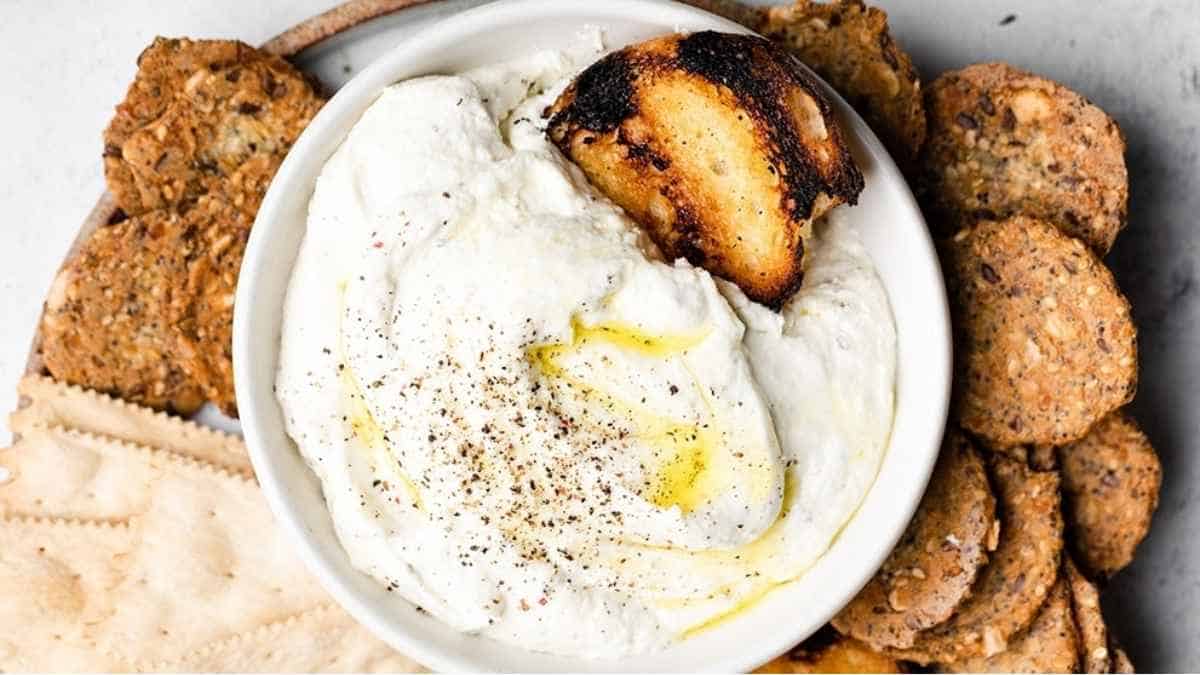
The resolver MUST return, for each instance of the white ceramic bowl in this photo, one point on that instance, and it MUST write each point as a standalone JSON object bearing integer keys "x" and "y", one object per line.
{"x": 886, "y": 217}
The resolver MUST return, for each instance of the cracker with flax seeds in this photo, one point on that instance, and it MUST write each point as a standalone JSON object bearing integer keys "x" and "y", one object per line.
{"x": 219, "y": 117}
{"x": 933, "y": 567}
{"x": 202, "y": 312}
{"x": 1093, "y": 632}
{"x": 1111, "y": 482}
{"x": 1049, "y": 645}
{"x": 1044, "y": 340}
{"x": 1013, "y": 585}
{"x": 849, "y": 45}
{"x": 107, "y": 325}
{"x": 1006, "y": 142}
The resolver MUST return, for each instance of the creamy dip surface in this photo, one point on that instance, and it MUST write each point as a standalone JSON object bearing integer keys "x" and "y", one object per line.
{"x": 531, "y": 425}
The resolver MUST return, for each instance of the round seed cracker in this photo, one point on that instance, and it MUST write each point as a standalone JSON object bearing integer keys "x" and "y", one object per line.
{"x": 1111, "y": 481}
{"x": 163, "y": 68}
{"x": 1050, "y": 645}
{"x": 1013, "y": 585}
{"x": 219, "y": 118}
{"x": 827, "y": 652}
{"x": 1046, "y": 346}
{"x": 202, "y": 314}
{"x": 106, "y": 324}
{"x": 849, "y": 45}
{"x": 933, "y": 567}
{"x": 1005, "y": 142}
{"x": 1093, "y": 633}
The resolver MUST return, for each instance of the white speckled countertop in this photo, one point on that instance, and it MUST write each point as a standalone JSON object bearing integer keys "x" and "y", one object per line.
{"x": 69, "y": 62}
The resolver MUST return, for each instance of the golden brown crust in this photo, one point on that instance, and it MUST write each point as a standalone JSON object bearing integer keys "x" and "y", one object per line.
{"x": 827, "y": 652}
{"x": 1049, "y": 645}
{"x": 933, "y": 567}
{"x": 1015, "y": 582}
{"x": 1111, "y": 481}
{"x": 1045, "y": 343}
{"x": 106, "y": 324}
{"x": 1121, "y": 662}
{"x": 849, "y": 45}
{"x": 202, "y": 314}
{"x": 1093, "y": 632}
{"x": 720, "y": 145}
{"x": 215, "y": 118}
{"x": 1005, "y": 142}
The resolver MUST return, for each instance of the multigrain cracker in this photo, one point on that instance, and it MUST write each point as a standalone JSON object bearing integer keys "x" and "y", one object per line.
{"x": 163, "y": 68}
{"x": 849, "y": 45}
{"x": 201, "y": 313}
{"x": 323, "y": 639}
{"x": 1014, "y": 583}
{"x": 106, "y": 324}
{"x": 933, "y": 567}
{"x": 1111, "y": 481}
{"x": 55, "y": 582}
{"x": 1093, "y": 633}
{"x": 252, "y": 105}
{"x": 1120, "y": 661}
{"x": 1049, "y": 645}
{"x": 827, "y": 652}
{"x": 1005, "y": 142}
{"x": 1045, "y": 343}
{"x": 46, "y": 403}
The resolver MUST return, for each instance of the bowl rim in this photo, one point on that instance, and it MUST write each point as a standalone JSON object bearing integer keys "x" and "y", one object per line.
{"x": 255, "y": 395}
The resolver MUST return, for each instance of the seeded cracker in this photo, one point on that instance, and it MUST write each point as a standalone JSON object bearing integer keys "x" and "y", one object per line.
{"x": 1050, "y": 645}
{"x": 826, "y": 652}
{"x": 849, "y": 45}
{"x": 1045, "y": 344}
{"x": 932, "y": 568}
{"x": 1121, "y": 662}
{"x": 1093, "y": 633}
{"x": 1011, "y": 588}
{"x": 1111, "y": 481}
{"x": 106, "y": 324}
{"x": 1005, "y": 142}
{"x": 234, "y": 105}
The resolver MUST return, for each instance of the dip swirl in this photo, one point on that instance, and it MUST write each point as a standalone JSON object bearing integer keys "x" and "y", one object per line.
{"x": 531, "y": 425}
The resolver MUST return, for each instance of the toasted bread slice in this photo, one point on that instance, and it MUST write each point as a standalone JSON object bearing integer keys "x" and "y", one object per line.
{"x": 720, "y": 145}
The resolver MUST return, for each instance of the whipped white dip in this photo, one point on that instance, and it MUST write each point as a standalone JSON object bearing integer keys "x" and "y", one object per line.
{"x": 528, "y": 423}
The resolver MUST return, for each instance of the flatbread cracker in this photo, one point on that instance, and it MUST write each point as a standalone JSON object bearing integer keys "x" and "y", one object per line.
{"x": 1111, "y": 481}
{"x": 55, "y": 583}
{"x": 323, "y": 639}
{"x": 106, "y": 325}
{"x": 46, "y": 403}
{"x": 933, "y": 567}
{"x": 849, "y": 45}
{"x": 827, "y": 652}
{"x": 1045, "y": 343}
{"x": 1006, "y": 142}
{"x": 250, "y": 104}
{"x": 1050, "y": 645}
{"x": 1015, "y": 582}
{"x": 1093, "y": 633}
{"x": 1120, "y": 661}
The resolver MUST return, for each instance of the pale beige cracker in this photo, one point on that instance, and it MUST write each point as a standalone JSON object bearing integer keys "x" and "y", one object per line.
{"x": 47, "y": 403}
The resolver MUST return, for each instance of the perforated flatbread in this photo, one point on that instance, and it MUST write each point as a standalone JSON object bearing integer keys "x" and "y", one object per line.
{"x": 849, "y": 45}
{"x": 46, "y": 403}
{"x": 1111, "y": 481}
{"x": 1045, "y": 343}
{"x": 324, "y": 639}
{"x": 1012, "y": 586}
{"x": 1005, "y": 142}
{"x": 1049, "y": 645}
{"x": 933, "y": 567}
{"x": 1093, "y": 633}
{"x": 827, "y": 652}
{"x": 56, "y": 578}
